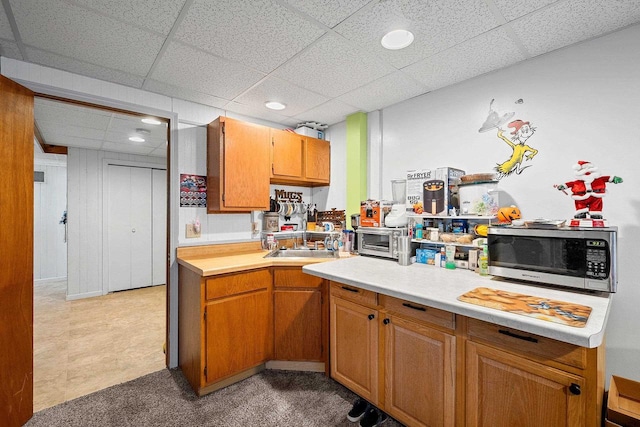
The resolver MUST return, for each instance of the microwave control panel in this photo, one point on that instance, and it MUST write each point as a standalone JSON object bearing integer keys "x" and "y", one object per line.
{"x": 596, "y": 258}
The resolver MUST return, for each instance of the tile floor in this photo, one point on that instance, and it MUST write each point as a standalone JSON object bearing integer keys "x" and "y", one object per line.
{"x": 86, "y": 345}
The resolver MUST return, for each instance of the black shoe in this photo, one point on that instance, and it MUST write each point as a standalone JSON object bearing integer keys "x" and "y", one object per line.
{"x": 595, "y": 216}
{"x": 360, "y": 407}
{"x": 373, "y": 418}
{"x": 580, "y": 215}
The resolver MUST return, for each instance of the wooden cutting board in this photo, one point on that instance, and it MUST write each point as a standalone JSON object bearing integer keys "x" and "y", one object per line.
{"x": 566, "y": 313}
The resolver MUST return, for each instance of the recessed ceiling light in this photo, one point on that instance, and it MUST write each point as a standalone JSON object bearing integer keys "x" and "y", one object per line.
{"x": 275, "y": 105}
{"x": 136, "y": 139}
{"x": 397, "y": 39}
{"x": 143, "y": 131}
{"x": 151, "y": 121}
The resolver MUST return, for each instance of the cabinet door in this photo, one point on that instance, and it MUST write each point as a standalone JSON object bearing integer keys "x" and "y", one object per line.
{"x": 506, "y": 390}
{"x": 317, "y": 160}
{"x": 237, "y": 166}
{"x": 286, "y": 155}
{"x": 238, "y": 333}
{"x": 354, "y": 347}
{"x": 419, "y": 379}
{"x": 298, "y": 325}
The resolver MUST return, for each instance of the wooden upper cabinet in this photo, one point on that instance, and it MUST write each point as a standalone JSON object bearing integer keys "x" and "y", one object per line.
{"x": 317, "y": 161}
{"x": 299, "y": 160}
{"x": 286, "y": 156}
{"x": 237, "y": 166}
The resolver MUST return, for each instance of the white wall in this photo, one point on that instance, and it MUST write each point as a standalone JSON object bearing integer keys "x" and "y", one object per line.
{"x": 585, "y": 103}
{"x": 85, "y": 216}
{"x": 49, "y": 202}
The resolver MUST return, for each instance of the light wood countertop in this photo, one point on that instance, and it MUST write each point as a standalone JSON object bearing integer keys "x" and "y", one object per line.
{"x": 230, "y": 258}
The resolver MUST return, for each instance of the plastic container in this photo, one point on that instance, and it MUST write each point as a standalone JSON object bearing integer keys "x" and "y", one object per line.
{"x": 419, "y": 231}
{"x": 483, "y": 261}
{"x": 450, "y": 263}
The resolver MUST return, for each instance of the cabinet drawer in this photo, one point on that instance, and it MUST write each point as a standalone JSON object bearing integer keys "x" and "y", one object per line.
{"x": 418, "y": 311}
{"x": 526, "y": 344}
{"x": 295, "y": 278}
{"x": 224, "y": 286}
{"x": 355, "y": 294}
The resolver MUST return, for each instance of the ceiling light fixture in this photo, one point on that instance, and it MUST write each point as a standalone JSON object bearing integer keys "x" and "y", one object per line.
{"x": 136, "y": 139}
{"x": 275, "y": 105}
{"x": 397, "y": 39}
{"x": 151, "y": 121}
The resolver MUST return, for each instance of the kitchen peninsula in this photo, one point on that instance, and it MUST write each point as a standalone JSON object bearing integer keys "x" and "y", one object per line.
{"x": 398, "y": 337}
{"x": 434, "y": 360}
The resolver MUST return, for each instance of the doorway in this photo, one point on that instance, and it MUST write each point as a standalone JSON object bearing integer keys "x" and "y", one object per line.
{"x": 89, "y": 325}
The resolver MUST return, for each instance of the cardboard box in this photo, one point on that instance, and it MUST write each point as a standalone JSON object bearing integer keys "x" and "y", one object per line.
{"x": 307, "y": 131}
{"x": 372, "y": 212}
{"x": 435, "y": 189}
{"x": 623, "y": 404}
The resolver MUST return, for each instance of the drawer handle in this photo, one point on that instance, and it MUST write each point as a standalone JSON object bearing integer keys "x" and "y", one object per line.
{"x": 406, "y": 304}
{"x": 350, "y": 289}
{"x": 520, "y": 337}
{"x": 575, "y": 389}
{"x": 371, "y": 317}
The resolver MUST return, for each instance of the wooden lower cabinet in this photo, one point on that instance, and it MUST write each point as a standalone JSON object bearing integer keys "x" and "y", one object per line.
{"x": 354, "y": 347}
{"x": 428, "y": 367}
{"x": 225, "y": 326}
{"x": 507, "y": 390}
{"x": 300, "y": 318}
{"x": 419, "y": 373}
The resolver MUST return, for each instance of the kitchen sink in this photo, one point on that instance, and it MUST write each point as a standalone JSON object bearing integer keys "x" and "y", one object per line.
{"x": 302, "y": 253}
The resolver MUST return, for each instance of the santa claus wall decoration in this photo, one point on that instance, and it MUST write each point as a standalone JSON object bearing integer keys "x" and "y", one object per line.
{"x": 587, "y": 191}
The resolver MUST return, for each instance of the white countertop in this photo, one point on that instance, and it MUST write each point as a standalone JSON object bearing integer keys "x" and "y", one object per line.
{"x": 439, "y": 288}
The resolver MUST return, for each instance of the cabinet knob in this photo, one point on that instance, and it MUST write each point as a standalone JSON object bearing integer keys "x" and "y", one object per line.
{"x": 575, "y": 389}
{"x": 386, "y": 321}
{"x": 371, "y": 317}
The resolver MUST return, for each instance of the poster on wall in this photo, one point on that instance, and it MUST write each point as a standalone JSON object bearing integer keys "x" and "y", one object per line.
{"x": 193, "y": 191}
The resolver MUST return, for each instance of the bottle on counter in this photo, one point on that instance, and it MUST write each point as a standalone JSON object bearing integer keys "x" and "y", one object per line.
{"x": 483, "y": 261}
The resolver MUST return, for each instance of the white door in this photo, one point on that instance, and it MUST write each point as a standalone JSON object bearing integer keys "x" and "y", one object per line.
{"x": 159, "y": 274}
{"x": 129, "y": 229}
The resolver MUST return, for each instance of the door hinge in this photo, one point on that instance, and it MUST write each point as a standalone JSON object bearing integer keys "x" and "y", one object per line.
{"x": 223, "y": 197}
{"x": 205, "y": 315}
{"x": 205, "y": 371}
{"x": 222, "y": 128}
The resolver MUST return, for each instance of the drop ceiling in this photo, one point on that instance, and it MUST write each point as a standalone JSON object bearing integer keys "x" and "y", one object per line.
{"x": 321, "y": 58}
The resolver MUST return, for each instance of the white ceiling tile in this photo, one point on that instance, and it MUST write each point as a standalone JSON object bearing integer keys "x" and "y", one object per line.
{"x": 261, "y": 34}
{"x": 329, "y": 12}
{"x": 59, "y": 131}
{"x": 50, "y": 111}
{"x": 5, "y": 27}
{"x": 332, "y": 67}
{"x": 260, "y": 113}
{"x": 512, "y": 9}
{"x": 127, "y": 148}
{"x": 75, "y": 32}
{"x": 72, "y": 141}
{"x": 83, "y": 68}
{"x": 122, "y": 138}
{"x": 155, "y": 15}
{"x": 125, "y": 124}
{"x": 10, "y": 50}
{"x": 159, "y": 152}
{"x": 184, "y": 93}
{"x": 572, "y": 21}
{"x": 186, "y": 67}
{"x": 295, "y": 98}
{"x": 383, "y": 92}
{"x": 437, "y": 25}
{"x": 485, "y": 53}
{"x": 328, "y": 113}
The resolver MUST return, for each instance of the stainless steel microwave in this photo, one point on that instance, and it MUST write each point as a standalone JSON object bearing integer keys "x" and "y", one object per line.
{"x": 379, "y": 241}
{"x": 583, "y": 258}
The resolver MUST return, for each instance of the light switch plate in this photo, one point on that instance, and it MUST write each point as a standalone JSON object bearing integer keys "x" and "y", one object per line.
{"x": 191, "y": 232}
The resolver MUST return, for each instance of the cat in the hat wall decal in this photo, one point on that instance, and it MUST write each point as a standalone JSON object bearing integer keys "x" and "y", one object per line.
{"x": 521, "y": 152}
{"x": 588, "y": 189}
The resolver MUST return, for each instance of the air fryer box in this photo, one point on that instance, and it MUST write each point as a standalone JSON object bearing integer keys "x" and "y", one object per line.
{"x": 434, "y": 189}
{"x": 623, "y": 403}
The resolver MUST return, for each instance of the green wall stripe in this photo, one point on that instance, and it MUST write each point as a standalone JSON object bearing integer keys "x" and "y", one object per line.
{"x": 356, "y": 163}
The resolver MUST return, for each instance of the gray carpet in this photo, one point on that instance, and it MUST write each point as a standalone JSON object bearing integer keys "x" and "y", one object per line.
{"x": 164, "y": 398}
